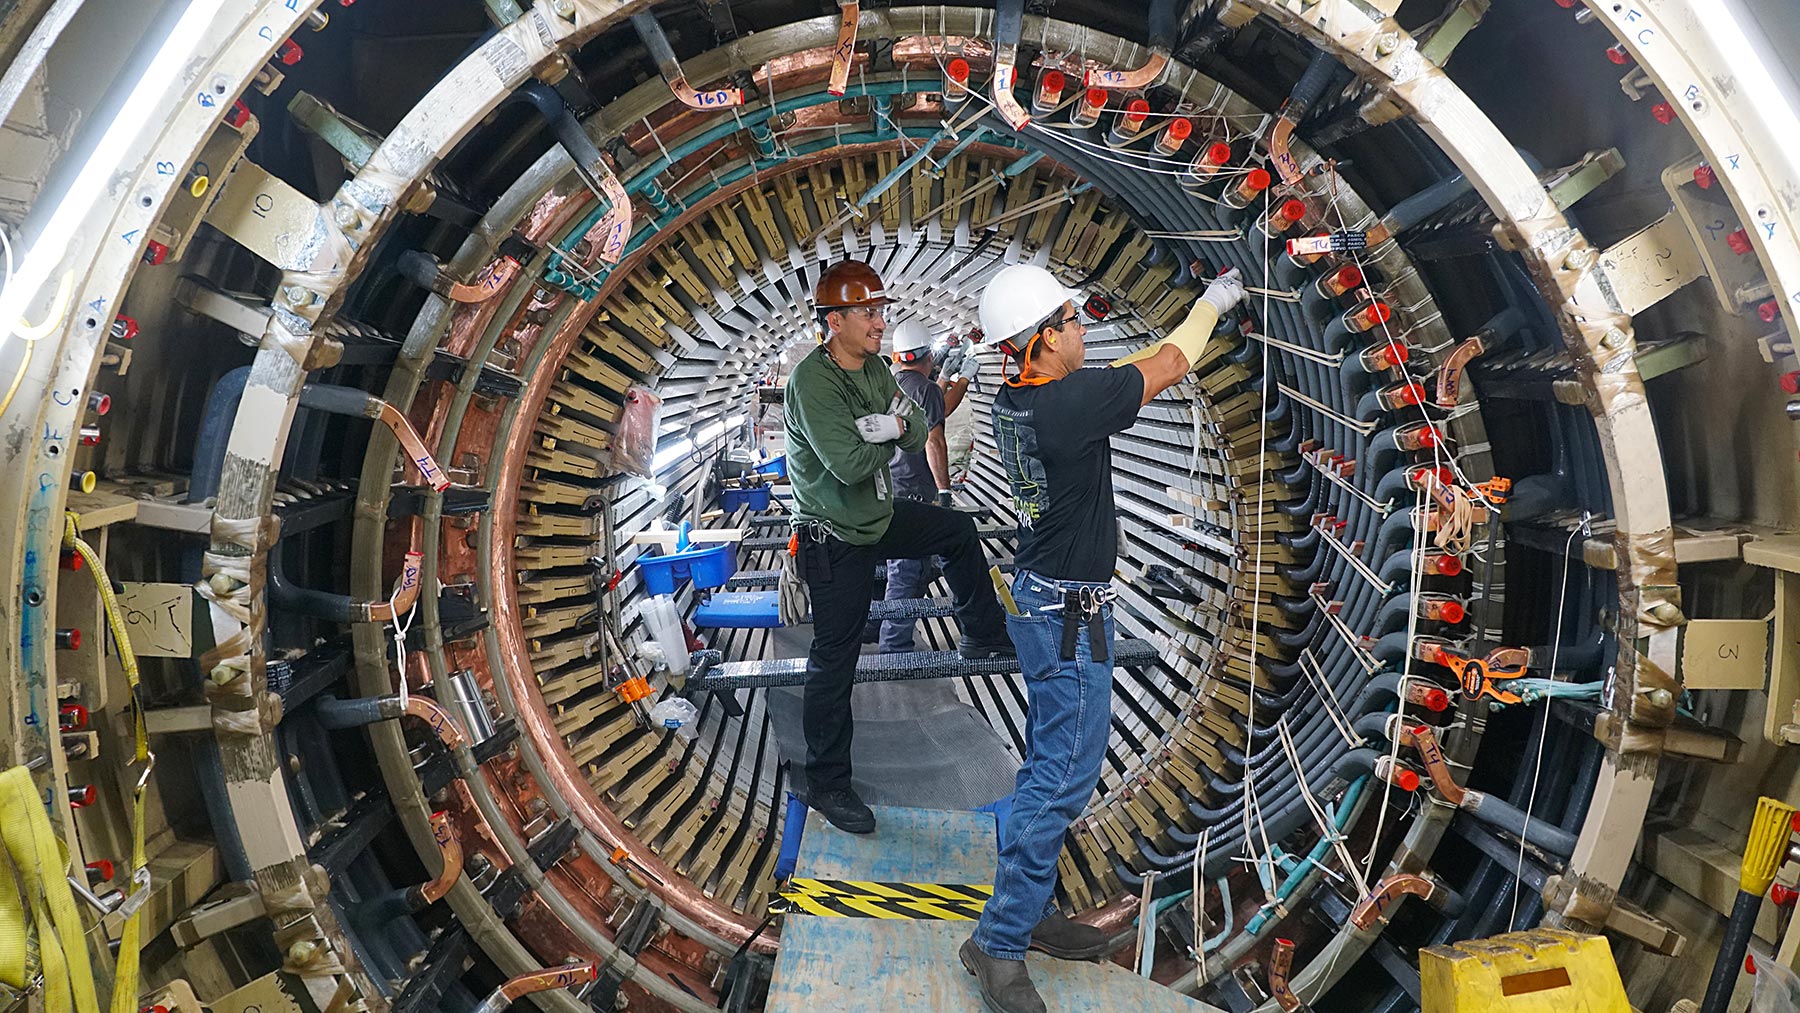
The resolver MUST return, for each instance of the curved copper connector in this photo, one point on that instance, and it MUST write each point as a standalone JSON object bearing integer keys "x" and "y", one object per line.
{"x": 1141, "y": 77}
{"x": 1004, "y": 77}
{"x": 846, "y": 47}
{"x": 411, "y": 568}
{"x": 1450, "y": 372}
{"x": 450, "y": 850}
{"x": 651, "y": 32}
{"x": 427, "y": 710}
{"x": 1424, "y": 739}
{"x": 615, "y": 229}
{"x": 538, "y": 981}
{"x": 1279, "y": 156}
{"x": 717, "y": 98}
{"x": 416, "y": 450}
{"x": 1372, "y": 908}
{"x": 1281, "y": 959}
{"x": 496, "y": 277}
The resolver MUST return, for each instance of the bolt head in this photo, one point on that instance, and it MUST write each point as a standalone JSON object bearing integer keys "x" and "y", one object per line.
{"x": 302, "y": 951}
{"x": 1661, "y": 698}
{"x": 1579, "y": 259}
{"x": 1387, "y": 42}
{"x": 1613, "y": 338}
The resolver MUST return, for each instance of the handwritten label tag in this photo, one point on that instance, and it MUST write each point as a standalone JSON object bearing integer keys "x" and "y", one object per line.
{"x": 1725, "y": 654}
{"x": 159, "y": 619}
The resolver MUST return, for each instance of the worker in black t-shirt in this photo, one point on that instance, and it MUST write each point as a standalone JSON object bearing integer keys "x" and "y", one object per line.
{"x": 1052, "y": 424}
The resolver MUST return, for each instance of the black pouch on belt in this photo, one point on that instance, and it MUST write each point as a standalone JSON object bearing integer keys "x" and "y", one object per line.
{"x": 815, "y": 554}
{"x": 1078, "y": 608}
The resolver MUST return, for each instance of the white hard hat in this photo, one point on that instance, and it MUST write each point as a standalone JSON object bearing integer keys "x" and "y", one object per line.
{"x": 1019, "y": 298}
{"x": 911, "y": 335}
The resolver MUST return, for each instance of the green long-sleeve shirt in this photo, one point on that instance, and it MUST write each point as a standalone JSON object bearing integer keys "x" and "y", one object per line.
{"x": 837, "y": 478}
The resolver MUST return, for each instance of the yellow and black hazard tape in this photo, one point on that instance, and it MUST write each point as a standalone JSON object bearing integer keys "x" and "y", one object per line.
{"x": 837, "y": 898}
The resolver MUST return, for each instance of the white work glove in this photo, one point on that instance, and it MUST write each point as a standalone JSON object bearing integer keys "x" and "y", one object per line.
{"x": 880, "y": 428}
{"x": 969, "y": 368}
{"x": 1224, "y": 292}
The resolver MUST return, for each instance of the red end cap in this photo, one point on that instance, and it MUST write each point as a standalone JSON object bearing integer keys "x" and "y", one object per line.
{"x": 1749, "y": 963}
{"x": 155, "y": 253}
{"x": 72, "y": 717}
{"x": 1567, "y": 4}
{"x": 1618, "y": 55}
{"x": 1291, "y": 210}
{"x": 1348, "y": 277}
{"x": 1218, "y": 154}
{"x": 71, "y": 561}
{"x": 69, "y": 639}
{"x": 1408, "y": 780}
{"x": 1783, "y": 895}
{"x": 1664, "y": 113}
{"x": 1444, "y": 475}
{"x": 1739, "y": 242}
{"x": 1180, "y": 128}
{"x": 83, "y": 796}
{"x": 1449, "y": 565}
{"x": 1428, "y": 436}
{"x": 1283, "y": 942}
{"x": 239, "y": 114}
{"x": 959, "y": 70}
{"x": 1436, "y": 700}
{"x": 1768, "y": 310}
{"x": 1790, "y": 382}
{"x": 1096, "y": 97}
{"x": 1137, "y": 110}
{"x": 1398, "y": 352}
{"x": 290, "y": 53}
{"x": 1451, "y": 612}
{"x": 101, "y": 404}
{"x": 1794, "y": 823}
{"x": 1411, "y": 394}
{"x": 1378, "y": 313}
{"x": 1704, "y": 177}
{"x": 124, "y": 328}
{"x": 1052, "y": 80}
{"x": 1258, "y": 180}
{"x": 103, "y": 869}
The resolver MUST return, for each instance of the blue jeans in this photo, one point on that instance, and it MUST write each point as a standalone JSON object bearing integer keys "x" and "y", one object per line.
{"x": 906, "y": 578}
{"x": 1066, "y": 727}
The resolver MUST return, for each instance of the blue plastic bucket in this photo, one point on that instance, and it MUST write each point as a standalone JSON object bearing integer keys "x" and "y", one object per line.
{"x": 756, "y": 498}
{"x": 710, "y": 566}
{"x": 776, "y": 466}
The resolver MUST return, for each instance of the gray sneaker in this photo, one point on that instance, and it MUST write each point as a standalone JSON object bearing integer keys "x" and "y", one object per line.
{"x": 1005, "y": 984}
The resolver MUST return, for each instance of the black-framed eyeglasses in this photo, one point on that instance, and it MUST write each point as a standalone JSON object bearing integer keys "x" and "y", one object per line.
{"x": 1066, "y": 321}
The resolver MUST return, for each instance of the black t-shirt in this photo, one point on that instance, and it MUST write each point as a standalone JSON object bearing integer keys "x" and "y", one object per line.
{"x": 1053, "y": 441}
{"x": 912, "y": 472}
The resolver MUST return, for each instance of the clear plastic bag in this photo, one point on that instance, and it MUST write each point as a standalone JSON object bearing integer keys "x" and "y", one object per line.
{"x": 677, "y": 713}
{"x": 1777, "y": 988}
{"x": 634, "y": 445}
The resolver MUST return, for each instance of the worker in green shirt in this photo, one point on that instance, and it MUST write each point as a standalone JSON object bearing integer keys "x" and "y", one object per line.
{"x": 844, "y": 421}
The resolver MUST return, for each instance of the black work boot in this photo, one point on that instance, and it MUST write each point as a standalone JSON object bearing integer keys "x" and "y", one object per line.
{"x": 842, "y": 809}
{"x": 981, "y": 648}
{"x": 1066, "y": 939}
{"x": 1005, "y": 984}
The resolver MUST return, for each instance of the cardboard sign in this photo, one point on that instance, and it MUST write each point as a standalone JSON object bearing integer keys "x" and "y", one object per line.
{"x": 159, "y": 619}
{"x": 1725, "y": 654}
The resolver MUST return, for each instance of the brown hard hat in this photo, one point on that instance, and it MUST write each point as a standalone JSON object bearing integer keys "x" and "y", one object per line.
{"x": 849, "y": 283}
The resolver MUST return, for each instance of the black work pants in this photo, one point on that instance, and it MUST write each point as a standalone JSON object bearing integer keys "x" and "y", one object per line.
{"x": 840, "y": 579}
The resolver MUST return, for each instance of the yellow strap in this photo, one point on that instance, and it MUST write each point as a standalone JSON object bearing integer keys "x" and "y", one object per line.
{"x": 15, "y": 967}
{"x": 35, "y": 851}
{"x": 125, "y": 985}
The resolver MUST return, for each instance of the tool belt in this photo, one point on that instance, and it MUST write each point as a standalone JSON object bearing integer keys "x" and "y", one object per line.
{"x": 1085, "y": 605}
{"x": 815, "y": 534}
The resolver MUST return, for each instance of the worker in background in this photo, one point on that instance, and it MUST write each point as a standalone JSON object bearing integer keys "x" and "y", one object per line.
{"x": 845, "y": 419}
{"x": 1052, "y": 424}
{"x": 921, "y": 476}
